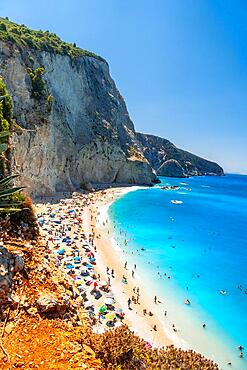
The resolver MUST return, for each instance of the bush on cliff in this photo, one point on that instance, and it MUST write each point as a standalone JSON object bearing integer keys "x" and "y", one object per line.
{"x": 38, "y": 84}
{"x": 22, "y": 37}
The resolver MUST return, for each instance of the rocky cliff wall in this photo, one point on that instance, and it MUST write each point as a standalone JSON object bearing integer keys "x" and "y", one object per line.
{"x": 168, "y": 160}
{"x": 73, "y": 126}
{"x": 83, "y": 133}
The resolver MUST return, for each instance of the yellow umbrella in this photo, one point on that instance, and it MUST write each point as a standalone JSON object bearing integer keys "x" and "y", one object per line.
{"x": 110, "y": 316}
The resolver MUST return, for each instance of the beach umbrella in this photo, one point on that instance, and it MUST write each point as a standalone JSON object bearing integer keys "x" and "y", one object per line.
{"x": 110, "y": 316}
{"x": 119, "y": 310}
{"x": 88, "y": 304}
{"x": 41, "y": 220}
{"x": 69, "y": 266}
{"x": 88, "y": 278}
{"x": 56, "y": 221}
{"x": 81, "y": 288}
{"x": 109, "y": 301}
{"x": 57, "y": 241}
{"x": 110, "y": 295}
{"x": 102, "y": 283}
{"x": 60, "y": 251}
{"x": 79, "y": 281}
{"x": 103, "y": 308}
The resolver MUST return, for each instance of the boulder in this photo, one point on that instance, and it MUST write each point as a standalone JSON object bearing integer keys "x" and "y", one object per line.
{"x": 50, "y": 305}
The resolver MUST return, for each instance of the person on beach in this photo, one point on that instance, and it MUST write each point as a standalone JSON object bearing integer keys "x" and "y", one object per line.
{"x": 125, "y": 265}
{"x": 155, "y": 299}
{"x": 132, "y": 273}
{"x": 129, "y": 302}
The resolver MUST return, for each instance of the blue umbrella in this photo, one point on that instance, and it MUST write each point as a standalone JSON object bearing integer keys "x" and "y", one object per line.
{"x": 69, "y": 266}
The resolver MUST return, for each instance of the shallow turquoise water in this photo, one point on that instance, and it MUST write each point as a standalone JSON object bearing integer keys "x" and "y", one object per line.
{"x": 201, "y": 244}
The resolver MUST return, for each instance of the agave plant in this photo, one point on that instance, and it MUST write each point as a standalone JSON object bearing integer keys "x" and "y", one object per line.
{"x": 7, "y": 204}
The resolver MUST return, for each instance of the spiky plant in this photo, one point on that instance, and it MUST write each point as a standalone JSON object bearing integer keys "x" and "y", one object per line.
{"x": 7, "y": 204}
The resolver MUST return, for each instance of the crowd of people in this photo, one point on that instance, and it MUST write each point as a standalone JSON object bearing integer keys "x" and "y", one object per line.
{"x": 75, "y": 252}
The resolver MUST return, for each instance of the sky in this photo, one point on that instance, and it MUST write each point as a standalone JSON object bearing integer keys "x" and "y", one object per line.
{"x": 181, "y": 65}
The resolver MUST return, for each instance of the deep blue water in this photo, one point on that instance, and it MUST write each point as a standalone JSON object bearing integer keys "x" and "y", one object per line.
{"x": 201, "y": 244}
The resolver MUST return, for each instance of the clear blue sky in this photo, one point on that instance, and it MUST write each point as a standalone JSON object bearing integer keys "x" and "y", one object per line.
{"x": 181, "y": 65}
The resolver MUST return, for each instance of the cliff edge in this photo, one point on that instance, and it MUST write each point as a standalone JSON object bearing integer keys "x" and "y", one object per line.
{"x": 168, "y": 160}
{"x": 72, "y": 124}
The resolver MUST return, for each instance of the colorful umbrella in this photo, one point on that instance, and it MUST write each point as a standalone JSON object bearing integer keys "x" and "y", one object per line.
{"x": 102, "y": 283}
{"x": 109, "y": 301}
{"x": 103, "y": 308}
{"x": 110, "y": 316}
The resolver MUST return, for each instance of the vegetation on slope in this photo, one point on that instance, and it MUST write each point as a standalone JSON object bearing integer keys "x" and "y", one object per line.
{"x": 16, "y": 212}
{"x": 24, "y": 37}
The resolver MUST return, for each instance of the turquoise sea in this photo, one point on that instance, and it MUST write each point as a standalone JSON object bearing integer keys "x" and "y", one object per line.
{"x": 192, "y": 250}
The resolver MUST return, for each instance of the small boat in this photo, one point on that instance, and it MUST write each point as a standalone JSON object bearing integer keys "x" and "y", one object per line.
{"x": 223, "y": 292}
{"x": 174, "y": 201}
{"x": 187, "y": 302}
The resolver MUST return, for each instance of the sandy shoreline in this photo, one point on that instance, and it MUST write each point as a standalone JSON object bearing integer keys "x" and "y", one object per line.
{"x": 94, "y": 221}
{"x": 109, "y": 254}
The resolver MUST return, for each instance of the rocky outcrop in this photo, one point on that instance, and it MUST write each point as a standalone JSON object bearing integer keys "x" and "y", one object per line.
{"x": 10, "y": 264}
{"x": 52, "y": 306}
{"x": 159, "y": 152}
{"x": 171, "y": 168}
{"x": 83, "y": 133}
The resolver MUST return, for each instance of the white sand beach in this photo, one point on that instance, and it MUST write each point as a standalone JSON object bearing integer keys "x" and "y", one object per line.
{"x": 77, "y": 227}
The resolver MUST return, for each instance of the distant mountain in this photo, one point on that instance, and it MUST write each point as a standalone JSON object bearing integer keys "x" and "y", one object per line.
{"x": 168, "y": 160}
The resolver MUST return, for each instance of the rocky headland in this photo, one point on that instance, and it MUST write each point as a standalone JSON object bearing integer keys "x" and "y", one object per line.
{"x": 72, "y": 125}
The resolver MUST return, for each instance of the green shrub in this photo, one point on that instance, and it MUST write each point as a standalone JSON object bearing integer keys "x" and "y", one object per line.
{"x": 38, "y": 84}
{"x": 22, "y": 36}
{"x": 49, "y": 102}
{"x": 5, "y": 107}
{"x": 3, "y": 27}
{"x": 4, "y": 125}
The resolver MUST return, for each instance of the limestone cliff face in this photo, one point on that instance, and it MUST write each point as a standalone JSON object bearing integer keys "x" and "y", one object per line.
{"x": 83, "y": 134}
{"x": 74, "y": 126}
{"x": 168, "y": 160}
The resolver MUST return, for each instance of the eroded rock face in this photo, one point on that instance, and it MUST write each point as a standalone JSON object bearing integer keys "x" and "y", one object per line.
{"x": 10, "y": 264}
{"x": 51, "y": 305}
{"x": 78, "y": 129}
{"x": 171, "y": 168}
{"x": 158, "y": 151}
{"x": 84, "y": 135}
